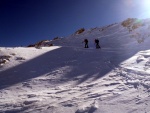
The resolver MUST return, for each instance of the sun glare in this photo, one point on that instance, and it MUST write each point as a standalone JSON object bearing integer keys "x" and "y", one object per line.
{"x": 145, "y": 9}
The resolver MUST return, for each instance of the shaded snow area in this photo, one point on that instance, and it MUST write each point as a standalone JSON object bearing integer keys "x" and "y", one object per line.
{"x": 68, "y": 78}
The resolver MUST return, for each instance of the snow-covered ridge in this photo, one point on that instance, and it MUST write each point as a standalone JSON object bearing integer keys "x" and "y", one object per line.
{"x": 135, "y": 31}
{"x": 131, "y": 28}
{"x": 68, "y": 78}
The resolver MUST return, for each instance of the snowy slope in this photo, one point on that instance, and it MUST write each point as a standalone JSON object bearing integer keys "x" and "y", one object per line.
{"x": 67, "y": 78}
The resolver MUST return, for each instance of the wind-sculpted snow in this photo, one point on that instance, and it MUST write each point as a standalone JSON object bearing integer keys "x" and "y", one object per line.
{"x": 67, "y": 78}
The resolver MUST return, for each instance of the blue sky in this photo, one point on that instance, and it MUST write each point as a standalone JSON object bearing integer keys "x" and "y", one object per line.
{"x": 24, "y": 22}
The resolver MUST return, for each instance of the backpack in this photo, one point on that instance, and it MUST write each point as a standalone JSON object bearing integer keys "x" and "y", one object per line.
{"x": 85, "y": 40}
{"x": 96, "y": 41}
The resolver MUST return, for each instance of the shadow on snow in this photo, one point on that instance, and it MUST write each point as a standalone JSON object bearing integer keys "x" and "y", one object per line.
{"x": 83, "y": 64}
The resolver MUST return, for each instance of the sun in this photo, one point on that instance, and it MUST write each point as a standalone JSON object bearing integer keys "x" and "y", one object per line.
{"x": 145, "y": 7}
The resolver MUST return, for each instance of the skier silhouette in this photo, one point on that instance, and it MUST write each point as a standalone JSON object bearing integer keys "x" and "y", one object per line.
{"x": 97, "y": 44}
{"x": 86, "y": 43}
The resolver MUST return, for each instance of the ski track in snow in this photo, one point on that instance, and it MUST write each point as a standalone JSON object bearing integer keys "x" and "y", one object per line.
{"x": 71, "y": 79}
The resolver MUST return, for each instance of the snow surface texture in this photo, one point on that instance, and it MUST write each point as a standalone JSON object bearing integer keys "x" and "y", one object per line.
{"x": 67, "y": 78}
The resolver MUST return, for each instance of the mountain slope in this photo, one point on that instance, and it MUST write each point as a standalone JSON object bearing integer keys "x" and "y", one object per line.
{"x": 67, "y": 78}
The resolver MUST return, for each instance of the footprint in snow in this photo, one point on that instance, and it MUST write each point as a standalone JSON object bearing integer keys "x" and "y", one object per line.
{"x": 25, "y": 84}
{"x": 29, "y": 102}
{"x": 31, "y": 95}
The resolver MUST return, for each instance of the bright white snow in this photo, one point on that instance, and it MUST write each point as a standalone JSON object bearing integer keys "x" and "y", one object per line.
{"x": 67, "y": 78}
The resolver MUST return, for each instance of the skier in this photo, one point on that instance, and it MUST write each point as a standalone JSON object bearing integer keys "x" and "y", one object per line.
{"x": 86, "y": 43}
{"x": 97, "y": 44}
